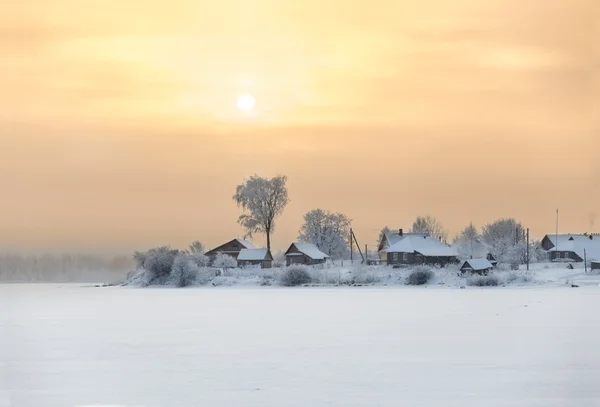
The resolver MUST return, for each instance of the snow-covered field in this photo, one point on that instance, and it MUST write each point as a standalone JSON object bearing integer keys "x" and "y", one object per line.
{"x": 531, "y": 345}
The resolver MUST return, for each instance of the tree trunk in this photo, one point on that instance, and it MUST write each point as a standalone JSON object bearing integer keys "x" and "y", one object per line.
{"x": 269, "y": 239}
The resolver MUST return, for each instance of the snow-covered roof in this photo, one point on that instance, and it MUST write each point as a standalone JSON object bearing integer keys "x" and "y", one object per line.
{"x": 310, "y": 250}
{"x": 246, "y": 244}
{"x": 426, "y": 246}
{"x": 583, "y": 247}
{"x": 252, "y": 254}
{"x": 477, "y": 264}
{"x": 565, "y": 238}
{"x": 394, "y": 237}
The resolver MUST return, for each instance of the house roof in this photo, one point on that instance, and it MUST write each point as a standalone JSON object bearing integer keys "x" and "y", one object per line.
{"x": 565, "y": 238}
{"x": 393, "y": 237}
{"x": 585, "y": 247}
{"x": 246, "y": 244}
{"x": 424, "y": 245}
{"x": 253, "y": 254}
{"x": 310, "y": 250}
{"x": 477, "y": 264}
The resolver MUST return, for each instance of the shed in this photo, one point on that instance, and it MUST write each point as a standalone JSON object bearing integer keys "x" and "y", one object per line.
{"x": 596, "y": 265}
{"x": 304, "y": 253}
{"x": 255, "y": 257}
{"x": 478, "y": 266}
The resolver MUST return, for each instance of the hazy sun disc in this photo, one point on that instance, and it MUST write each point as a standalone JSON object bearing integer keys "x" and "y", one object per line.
{"x": 246, "y": 102}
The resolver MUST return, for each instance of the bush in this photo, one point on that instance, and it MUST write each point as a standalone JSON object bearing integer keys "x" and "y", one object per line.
{"x": 295, "y": 275}
{"x": 157, "y": 264}
{"x": 364, "y": 275}
{"x": 419, "y": 276}
{"x": 184, "y": 271}
{"x": 484, "y": 281}
{"x": 224, "y": 261}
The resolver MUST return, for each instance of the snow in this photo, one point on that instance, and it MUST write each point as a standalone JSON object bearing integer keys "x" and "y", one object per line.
{"x": 311, "y": 251}
{"x": 69, "y": 346}
{"x": 427, "y": 246}
{"x": 252, "y": 254}
{"x": 478, "y": 264}
{"x": 394, "y": 237}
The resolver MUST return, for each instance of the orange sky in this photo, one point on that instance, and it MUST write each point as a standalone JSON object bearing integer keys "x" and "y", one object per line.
{"x": 119, "y": 127}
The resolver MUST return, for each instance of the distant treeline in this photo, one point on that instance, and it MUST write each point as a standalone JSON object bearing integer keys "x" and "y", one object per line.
{"x": 63, "y": 267}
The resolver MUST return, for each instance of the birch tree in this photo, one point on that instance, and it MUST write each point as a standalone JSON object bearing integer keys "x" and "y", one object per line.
{"x": 263, "y": 200}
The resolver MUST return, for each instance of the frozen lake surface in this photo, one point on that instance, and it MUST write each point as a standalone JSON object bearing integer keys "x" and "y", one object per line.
{"x": 67, "y": 346}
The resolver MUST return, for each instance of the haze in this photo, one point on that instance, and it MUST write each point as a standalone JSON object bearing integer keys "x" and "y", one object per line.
{"x": 119, "y": 127}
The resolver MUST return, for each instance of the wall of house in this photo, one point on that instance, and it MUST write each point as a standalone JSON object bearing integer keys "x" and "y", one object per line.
{"x": 413, "y": 259}
{"x": 565, "y": 256}
{"x": 232, "y": 248}
{"x": 596, "y": 265}
{"x": 547, "y": 243}
{"x": 265, "y": 264}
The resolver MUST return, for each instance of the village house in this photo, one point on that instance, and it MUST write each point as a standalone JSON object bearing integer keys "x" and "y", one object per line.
{"x": 420, "y": 249}
{"x": 596, "y": 265}
{"x": 476, "y": 266}
{"x": 304, "y": 253}
{"x": 255, "y": 257}
{"x": 231, "y": 248}
{"x": 572, "y": 248}
{"x": 391, "y": 238}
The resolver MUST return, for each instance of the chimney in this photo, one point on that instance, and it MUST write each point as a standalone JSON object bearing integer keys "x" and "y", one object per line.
{"x": 591, "y": 237}
{"x": 400, "y": 232}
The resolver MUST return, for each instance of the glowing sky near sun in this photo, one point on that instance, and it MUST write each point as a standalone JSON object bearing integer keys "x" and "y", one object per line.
{"x": 120, "y": 128}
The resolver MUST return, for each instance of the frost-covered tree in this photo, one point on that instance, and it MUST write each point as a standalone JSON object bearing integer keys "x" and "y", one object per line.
{"x": 184, "y": 271}
{"x": 468, "y": 243}
{"x": 328, "y": 231}
{"x": 432, "y": 226}
{"x": 382, "y": 235}
{"x": 196, "y": 247}
{"x": 156, "y": 264}
{"x": 262, "y": 199}
{"x": 224, "y": 261}
{"x": 503, "y": 237}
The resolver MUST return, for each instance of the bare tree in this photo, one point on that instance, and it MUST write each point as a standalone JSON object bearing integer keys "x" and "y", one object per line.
{"x": 196, "y": 247}
{"x": 430, "y": 225}
{"x": 263, "y": 199}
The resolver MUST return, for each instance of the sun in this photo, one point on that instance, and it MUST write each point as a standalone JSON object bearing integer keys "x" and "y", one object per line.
{"x": 246, "y": 102}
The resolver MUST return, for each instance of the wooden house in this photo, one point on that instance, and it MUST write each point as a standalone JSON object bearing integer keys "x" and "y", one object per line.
{"x": 476, "y": 266}
{"x": 576, "y": 249}
{"x": 231, "y": 248}
{"x": 304, "y": 253}
{"x": 420, "y": 249}
{"x": 255, "y": 257}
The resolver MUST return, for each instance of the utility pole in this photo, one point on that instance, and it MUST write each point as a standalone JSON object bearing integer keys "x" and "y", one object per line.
{"x": 351, "y": 246}
{"x": 366, "y": 255}
{"x": 556, "y": 246}
{"x": 585, "y": 259}
{"x": 527, "y": 248}
{"x": 352, "y": 235}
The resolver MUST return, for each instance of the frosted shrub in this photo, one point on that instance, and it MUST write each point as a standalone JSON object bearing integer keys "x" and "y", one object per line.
{"x": 185, "y": 271}
{"x": 224, "y": 261}
{"x": 156, "y": 264}
{"x": 295, "y": 275}
{"x": 364, "y": 275}
{"x": 484, "y": 281}
{"x": 419, "y": 276}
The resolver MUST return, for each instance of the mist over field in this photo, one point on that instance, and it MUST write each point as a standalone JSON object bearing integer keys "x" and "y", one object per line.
{"x": 63, "y": 268}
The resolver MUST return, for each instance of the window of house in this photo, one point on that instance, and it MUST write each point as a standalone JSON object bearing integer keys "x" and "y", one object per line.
{"x": 395, "y": 256}
{"x": 558, "y": 255}
{"x": 404, "y": 256}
